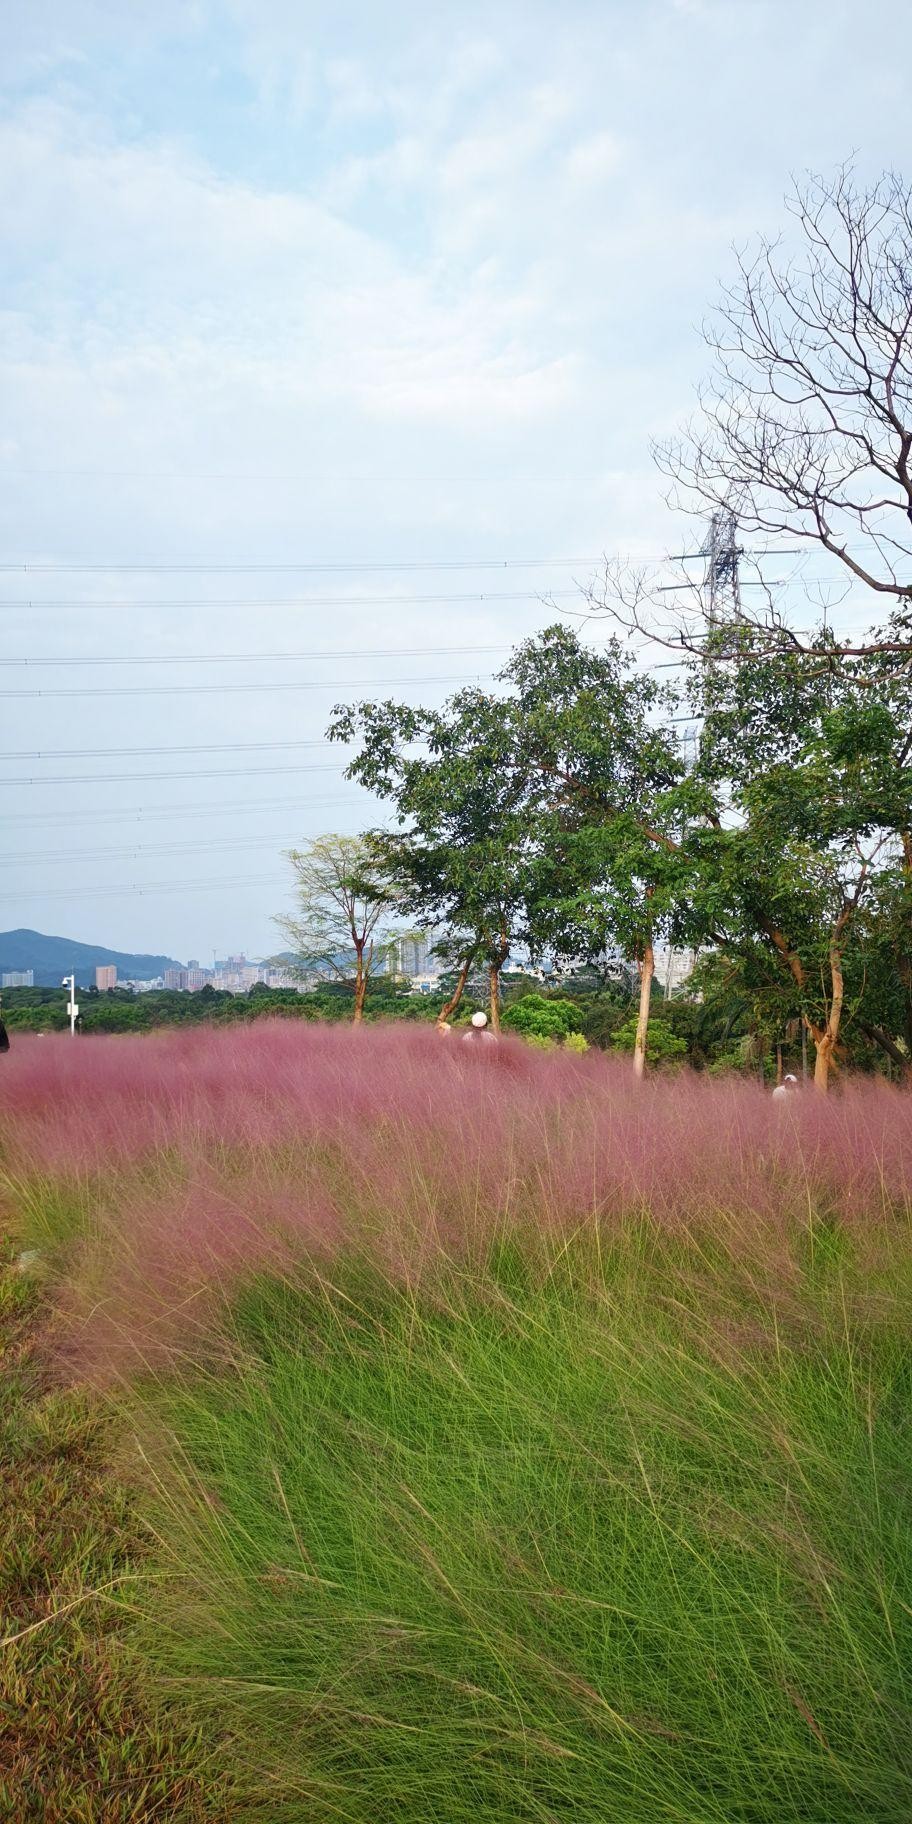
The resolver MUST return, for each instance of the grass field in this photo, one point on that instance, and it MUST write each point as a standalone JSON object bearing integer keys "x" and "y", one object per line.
{"x": 500, "y": 1442}
{"x": 82, "y": 1740}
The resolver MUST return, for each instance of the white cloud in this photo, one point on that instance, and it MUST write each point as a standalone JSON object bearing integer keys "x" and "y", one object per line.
{"x": 126, "y": 247}
{"x": 369, "y": 282}
{"x": 594, "y": 160}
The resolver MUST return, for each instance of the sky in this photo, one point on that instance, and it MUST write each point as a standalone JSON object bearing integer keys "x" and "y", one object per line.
{"x": 334, "y": 337}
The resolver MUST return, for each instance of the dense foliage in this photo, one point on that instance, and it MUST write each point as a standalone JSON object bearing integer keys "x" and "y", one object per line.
{"x": 565, "y": 815}
{"x": 120, "y": 1010}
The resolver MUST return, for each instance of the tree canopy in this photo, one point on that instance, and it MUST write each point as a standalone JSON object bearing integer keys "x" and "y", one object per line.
{"x": 343, "y": 897}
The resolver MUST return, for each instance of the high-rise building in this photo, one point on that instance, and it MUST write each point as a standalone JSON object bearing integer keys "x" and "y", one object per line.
{"x": 188, "y": 980}
{"x": 18, "y": 978}
{"x": 106, "y": 975}
{"x": 673, "y": 967}
{"x": 411, "y": 955}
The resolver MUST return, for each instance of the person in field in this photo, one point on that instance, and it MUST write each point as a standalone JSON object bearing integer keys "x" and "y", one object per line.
{"x": 786, "y": 1089}
{"x": 4, "y": 1037}
{"x": 478, "y": 1032}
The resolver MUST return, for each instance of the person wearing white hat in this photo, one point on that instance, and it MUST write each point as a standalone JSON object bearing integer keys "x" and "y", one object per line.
{"x": 786, "y": 1088}
{"x": 478, "y": 1032}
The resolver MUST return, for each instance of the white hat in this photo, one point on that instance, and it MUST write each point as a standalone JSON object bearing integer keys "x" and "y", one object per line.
{"x": 790, "y": 1079}
{"x": 479, "y": 1019}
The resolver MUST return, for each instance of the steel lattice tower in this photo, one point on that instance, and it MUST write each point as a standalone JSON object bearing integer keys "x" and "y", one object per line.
{"x": 722, "y": 552}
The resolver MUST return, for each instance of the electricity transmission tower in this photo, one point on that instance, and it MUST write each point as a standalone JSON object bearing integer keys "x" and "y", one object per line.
{"x": 722, "y": 553}
{"x": 722, "y": 595}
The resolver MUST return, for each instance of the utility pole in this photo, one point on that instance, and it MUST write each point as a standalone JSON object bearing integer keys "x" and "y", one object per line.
{"x": 69, "y": 981}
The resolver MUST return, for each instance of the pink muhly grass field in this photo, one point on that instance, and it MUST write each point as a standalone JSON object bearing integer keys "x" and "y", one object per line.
{"x": 185, "y": 1158}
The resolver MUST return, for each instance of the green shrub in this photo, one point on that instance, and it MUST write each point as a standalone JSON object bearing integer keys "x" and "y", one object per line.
{"x": 576, "y": 1042}
{"x": 537, "y": 1015}
{"x": 663, "y": 1046}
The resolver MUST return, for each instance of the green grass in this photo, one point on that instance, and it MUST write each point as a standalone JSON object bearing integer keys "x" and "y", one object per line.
{"x": 80, "y": 1739}
{"x": 606, "y": 1517}
{"x": 625, "y": 1539}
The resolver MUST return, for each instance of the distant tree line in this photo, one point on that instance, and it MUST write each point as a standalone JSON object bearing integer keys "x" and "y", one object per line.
{"x": 582, "y": 1010}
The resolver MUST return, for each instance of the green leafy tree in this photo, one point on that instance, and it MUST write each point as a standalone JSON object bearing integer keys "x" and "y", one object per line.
{"x": 343, "y": 899}
{"x": 608, "y": 796}
{"x": 665, "y": 1046}
{"x": 806, "y": 878}
{"x": 458, "y": 858}
{"x": 551, "y": 816}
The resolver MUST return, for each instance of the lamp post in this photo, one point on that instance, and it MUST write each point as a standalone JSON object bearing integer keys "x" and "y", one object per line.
{"x": 69, "y": 981}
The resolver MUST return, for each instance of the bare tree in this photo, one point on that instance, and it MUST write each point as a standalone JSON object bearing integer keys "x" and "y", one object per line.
{"x": 342, "y": 899}
{"x": 804, "y": 431}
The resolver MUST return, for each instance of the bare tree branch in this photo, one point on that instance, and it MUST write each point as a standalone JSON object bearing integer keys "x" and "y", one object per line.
{"x": 809, "y": 408}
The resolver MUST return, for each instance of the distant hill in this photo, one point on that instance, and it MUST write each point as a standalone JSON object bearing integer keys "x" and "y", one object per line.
{"x": 53, "y": 957}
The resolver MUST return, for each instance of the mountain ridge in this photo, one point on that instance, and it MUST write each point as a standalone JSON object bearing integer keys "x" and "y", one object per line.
{"x": 53, "y": 957}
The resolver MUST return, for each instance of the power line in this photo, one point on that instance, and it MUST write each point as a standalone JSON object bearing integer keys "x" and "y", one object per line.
{"x": 120, "y": 753}
{"x": 271, "y": 601}
{"x": 223, "y": 689}
{"x": 233, "y": 772}
{"x": 778, "y": 582}
{"x": 129, "y": 851}
{"x": 296, "y": 475}
{"x": 169, "y": 812}
{"x": 232, "y": 689}
{"x": 256, "y": 658}
{"x": 140, "y": 889}
{"x": 29, "y": 568}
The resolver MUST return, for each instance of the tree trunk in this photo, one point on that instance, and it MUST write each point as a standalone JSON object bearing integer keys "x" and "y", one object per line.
{"x": 825, "y": 1037}
{"x": 494, "y": 995}
{"x": 647, "y": 971}
{"x": 901, "y": 1059}
{"x": 360, "y": 984}
{"x": 494, "y": 979}
{"x": 903, "y": 963}
{"x": 453, "y": 1003}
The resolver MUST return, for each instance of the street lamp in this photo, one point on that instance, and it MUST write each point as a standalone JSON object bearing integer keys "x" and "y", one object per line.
{"x": 69, "y": 981}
